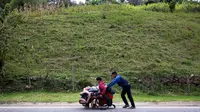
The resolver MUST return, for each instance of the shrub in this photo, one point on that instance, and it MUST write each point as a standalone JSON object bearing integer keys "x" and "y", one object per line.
{"x": 15, "y": 18}
{"x": 159, "y": 7}
{"x": 191, "y": 7}
{"x": 3, "y": 3}
{"x": 164, "y": 7}
{"x": 93, "y": 2}
{"x": 4, "y": 12}
{"x": 1, "y": 13}
{"x": 7, "y": 9}
{"x": 83, "y": 83}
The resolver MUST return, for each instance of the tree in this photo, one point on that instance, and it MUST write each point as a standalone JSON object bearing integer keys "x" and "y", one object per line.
{"x": 172, "y": 6}
{"x": 3, "y": 46}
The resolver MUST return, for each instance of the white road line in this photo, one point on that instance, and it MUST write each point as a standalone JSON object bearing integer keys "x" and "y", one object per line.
{"x": 28, "y": 107}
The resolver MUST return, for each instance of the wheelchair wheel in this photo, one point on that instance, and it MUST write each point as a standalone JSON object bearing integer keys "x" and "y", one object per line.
{"x": 86, "y": 105}
{"x": 113, "y": 105}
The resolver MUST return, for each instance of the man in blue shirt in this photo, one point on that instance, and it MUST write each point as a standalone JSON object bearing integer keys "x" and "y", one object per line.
{"x": 126, "y": 88}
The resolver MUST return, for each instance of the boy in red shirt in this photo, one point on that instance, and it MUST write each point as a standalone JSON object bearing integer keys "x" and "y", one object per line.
{"x": 102, "y": 89}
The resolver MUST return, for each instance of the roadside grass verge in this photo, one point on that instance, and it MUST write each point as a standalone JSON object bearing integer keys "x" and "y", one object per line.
{"x": 74, "y": 97}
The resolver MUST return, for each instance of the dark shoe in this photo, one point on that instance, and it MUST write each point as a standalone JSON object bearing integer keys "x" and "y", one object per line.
{"x": 132, "y": 107}
{"x": 125, "y": 106}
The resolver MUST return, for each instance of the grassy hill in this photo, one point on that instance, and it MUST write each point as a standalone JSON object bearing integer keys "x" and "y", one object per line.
{"x": 98, "y": 39}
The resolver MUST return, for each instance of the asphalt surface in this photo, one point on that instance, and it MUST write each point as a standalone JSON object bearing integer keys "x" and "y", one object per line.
{"x": 64, "y": 107}
{"x": 81, "y": 109}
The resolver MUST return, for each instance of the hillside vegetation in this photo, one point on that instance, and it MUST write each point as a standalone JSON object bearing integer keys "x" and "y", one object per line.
{"x": 95, "y": 40}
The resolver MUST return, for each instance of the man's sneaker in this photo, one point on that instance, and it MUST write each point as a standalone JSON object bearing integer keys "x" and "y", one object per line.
{"x": 132, "y": 107}
{"x": 125, "y": 106}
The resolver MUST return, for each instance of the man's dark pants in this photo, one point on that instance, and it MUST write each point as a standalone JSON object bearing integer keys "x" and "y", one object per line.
{"x": 127, "y": 89}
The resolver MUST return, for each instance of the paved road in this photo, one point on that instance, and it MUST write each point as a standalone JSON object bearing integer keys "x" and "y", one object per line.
{"x": 81, "y": 109}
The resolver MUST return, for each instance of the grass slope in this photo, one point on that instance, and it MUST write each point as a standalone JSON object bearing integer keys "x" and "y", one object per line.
{"x": 97, "y": 39}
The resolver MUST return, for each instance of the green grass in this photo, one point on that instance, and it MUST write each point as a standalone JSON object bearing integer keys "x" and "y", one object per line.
{"x": 99, "y": 39}
{"x": 96, "y": 39}
{"x": 160, "y": 98}
{"x": 39, "y": 97}
{"x": 74, "y": 97}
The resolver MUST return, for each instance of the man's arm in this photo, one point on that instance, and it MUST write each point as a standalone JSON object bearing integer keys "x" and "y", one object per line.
{"x": 114, "y": 81}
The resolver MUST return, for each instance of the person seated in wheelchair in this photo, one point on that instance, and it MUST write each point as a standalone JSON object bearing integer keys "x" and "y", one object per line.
{"x": 102, "y": 88}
